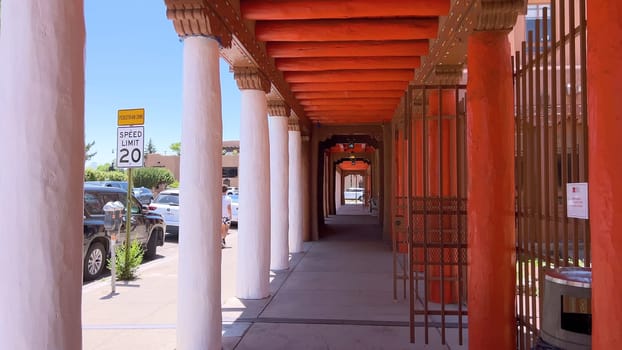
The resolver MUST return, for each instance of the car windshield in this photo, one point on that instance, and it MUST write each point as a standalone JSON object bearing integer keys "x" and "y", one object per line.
{"x": 234, "y": 198}
{"x": 167, "y": 199}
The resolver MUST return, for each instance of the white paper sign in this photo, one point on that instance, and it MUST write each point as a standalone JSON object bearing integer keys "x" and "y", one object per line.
{"x": 576, "y": 196}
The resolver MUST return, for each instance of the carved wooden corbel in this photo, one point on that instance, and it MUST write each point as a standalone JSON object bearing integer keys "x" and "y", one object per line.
{"x": 294, "y": 123}
{"x": 250, "y": 78}
{"x": 196, "y": 18}
{"x": 278, "y": 109}
{"x": 499, "y": 14}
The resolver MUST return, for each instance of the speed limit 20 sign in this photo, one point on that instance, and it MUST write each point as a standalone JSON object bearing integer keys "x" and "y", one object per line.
{"x": 130, "y": 145}
{"x": 130, "y": 138}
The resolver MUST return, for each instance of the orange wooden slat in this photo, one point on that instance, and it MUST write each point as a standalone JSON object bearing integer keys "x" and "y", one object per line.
{"x": 335, "y": 63}
{"x": 350, "y": 101}
{"x": 351, "y": 107}
{"x": 316, "y": 9}
{"x": 355, "y": 29}
{"x": 352, "y": 86}
{"x": 349, "y": 94}
{"x": 351, "y": 117}
{"x": 350, "y": 75}
{"x": 348, "y": 48}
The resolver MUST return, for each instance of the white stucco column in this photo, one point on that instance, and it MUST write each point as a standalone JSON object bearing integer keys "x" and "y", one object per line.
{"x": 295, "y": 188}
{"x": 198, "y": 311}
{"x": 306, "y": 184}
{"x": 338, "y": 191}
{"x": 42, "y": 142}
{"x": 279, "y": 185}
{"x": 253, "y": 265}
{"x": 316, "y": 189}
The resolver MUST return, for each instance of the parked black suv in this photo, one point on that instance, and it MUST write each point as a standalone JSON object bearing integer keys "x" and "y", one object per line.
{"x": 147, "y": 227}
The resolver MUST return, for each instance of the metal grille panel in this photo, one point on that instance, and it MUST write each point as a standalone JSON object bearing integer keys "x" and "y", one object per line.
{"x": 551, "y": 151}
{"x": 432, "y": 142}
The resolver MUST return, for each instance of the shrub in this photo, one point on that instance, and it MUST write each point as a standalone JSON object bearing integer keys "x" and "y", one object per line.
{"x": 126, "y": 270}
{"x": 100, "y": 175}
{"x": 152, "y": 177}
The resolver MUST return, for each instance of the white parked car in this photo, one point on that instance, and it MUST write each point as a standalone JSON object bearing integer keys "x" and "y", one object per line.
{"x": 166, "y": 204}
{"x": 234, "y": 208}
{"x": 353, "y": 193}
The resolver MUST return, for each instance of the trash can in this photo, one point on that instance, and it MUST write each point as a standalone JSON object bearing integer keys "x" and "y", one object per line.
{"x": 567, "y": 310}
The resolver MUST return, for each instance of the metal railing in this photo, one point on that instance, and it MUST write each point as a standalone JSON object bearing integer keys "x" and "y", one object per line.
{"x": 551, "y": 151}
{"x": 430, "y": 240}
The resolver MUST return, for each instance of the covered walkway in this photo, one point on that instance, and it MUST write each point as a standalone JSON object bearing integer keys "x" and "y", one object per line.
{"x": 438, "y": 134}
{"x": 337, "y": 294}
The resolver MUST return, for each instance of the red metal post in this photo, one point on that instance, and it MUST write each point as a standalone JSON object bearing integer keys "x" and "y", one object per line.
{"x": 604, "y": 81}
{"x": 490, "y": 194}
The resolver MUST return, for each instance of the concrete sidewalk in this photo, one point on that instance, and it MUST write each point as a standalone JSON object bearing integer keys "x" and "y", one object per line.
{"x": 337, "y": 294}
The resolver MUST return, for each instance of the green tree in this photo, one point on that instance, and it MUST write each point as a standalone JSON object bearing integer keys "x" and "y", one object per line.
{"x": 150, "y": 149}
{"x": 88, "y": 155}
{"x": 152, "y": 177}
{"x": 176, "y": 147}
{"x": 104, "y": 167}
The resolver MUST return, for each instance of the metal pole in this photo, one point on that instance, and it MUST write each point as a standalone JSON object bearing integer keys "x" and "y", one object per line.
{"x": 128, "y": 217}
{"x": 113, "y": 264}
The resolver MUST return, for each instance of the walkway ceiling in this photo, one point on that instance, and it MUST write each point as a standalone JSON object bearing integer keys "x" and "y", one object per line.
{"x": 346, "y": 61}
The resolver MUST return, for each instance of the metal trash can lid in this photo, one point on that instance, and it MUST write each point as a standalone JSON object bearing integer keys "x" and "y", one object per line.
{"x": 570, "y": 276}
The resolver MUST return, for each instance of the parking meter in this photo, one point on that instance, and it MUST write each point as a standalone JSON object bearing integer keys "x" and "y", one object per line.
{"x": 110, "y": 212}
{"x": 112, "y": 225}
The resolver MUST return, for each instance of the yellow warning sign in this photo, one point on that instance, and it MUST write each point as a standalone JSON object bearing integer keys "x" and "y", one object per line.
{"x": 131, "y": 116}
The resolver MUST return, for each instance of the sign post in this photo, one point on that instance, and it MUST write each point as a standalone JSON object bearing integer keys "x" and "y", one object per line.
{"x": 130, "y": 148}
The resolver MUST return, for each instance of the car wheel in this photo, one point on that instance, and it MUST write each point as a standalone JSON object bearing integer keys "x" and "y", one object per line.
{"x": 150, "y": 253}
{"x": 95, "y": 261}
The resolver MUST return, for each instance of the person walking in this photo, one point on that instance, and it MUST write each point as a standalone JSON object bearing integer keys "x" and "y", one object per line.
{"x": 226, "y": 216}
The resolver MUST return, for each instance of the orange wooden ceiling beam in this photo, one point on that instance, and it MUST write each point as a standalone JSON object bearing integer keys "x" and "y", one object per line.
{"x": 336, "y": 63}
{"x": 349, "y": 94}
{"x": 314, "y": 9}
{"x": 351, "y": 116}
{"x": 345, "y": 113}
{"x": 350, "y": 107}
{"x": 350, "y": 101}
{"x": 352, "y": 121}
{"x": 355, "y": 29}
{"x": 350, "y": 76}
{"x": 352, "y": 86}
{"x": 358, "y": 165}
{"x": 348, "y": 48}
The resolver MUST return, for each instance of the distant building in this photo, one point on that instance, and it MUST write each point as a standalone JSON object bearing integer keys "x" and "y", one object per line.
{"x": 230, "y": 162}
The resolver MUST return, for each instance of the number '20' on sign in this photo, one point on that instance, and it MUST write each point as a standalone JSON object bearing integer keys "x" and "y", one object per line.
{"x": 126, "y": 156}
{"x": 130, "y": 143}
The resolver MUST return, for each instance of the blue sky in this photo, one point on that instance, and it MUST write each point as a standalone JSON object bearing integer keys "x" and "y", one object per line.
{"x": 134, "y": 60}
